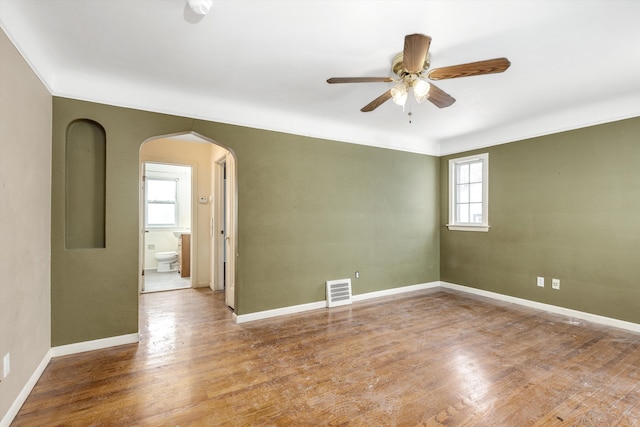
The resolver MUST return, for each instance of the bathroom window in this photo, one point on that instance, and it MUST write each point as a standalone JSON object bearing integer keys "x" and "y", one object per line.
{"x": 162, "y": 202}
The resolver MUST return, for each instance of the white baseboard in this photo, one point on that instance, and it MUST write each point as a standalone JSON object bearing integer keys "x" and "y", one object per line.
{"x": 260, "y": 315}
{"x": 630, "y": 326}
{"x": 26, "y": 390}
{"x": 395, "y": 291}
{"x": 81, "y": 347}
{"x": 595, "y": 318}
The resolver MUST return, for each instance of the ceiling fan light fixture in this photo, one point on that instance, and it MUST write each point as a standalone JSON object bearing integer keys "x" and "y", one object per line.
{"x": 399, "y": 93}
{"x": 201, "y": 7}
{"x": 421, "y": 90}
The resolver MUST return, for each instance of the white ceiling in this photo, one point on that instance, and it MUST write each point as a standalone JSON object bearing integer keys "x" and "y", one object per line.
{"x": 264, "y": 63}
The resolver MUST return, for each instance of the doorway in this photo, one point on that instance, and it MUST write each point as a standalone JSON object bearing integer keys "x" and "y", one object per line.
{"x": 213, "y": 208}
{"x": 167, "y": 227}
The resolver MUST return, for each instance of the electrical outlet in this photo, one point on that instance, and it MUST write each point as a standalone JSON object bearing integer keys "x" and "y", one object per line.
{"x": 540, "y": 282}
{"x": 555, "y": 283}
{"x": 357, "y": 274}
{"x": 6, "y": 365}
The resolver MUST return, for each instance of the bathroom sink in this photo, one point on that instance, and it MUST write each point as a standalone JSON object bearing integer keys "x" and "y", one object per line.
{"x": 179, "y": 233}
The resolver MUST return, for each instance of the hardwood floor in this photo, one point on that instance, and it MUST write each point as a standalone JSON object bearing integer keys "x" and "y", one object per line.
{"x": 421, "y": 359}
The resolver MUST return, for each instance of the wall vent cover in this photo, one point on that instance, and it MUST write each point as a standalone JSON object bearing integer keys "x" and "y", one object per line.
{"x": 338, "y": 292}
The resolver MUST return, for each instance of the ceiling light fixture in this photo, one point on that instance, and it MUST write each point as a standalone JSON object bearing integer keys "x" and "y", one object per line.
{"x": 421, "y": 90}
{"x": 400, "y": 92}
{"x": 201, "y": 7}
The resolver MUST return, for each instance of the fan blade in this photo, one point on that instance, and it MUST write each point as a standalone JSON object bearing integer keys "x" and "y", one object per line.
{"x": 415, "y": 51}
{"x": 439, "y": 98}
{"x": 359, "y": 79}
{"x": 490, "y": 66}
{"x": 377, "y": 102}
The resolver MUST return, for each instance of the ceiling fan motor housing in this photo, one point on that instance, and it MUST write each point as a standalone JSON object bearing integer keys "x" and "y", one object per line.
{"x": 397, "y": 66}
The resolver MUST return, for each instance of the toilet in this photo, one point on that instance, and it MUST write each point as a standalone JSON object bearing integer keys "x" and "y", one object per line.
{"x": 165, "y": 259}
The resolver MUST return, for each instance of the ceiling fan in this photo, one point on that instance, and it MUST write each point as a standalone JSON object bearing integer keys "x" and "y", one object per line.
{"x": 412, "y": 65}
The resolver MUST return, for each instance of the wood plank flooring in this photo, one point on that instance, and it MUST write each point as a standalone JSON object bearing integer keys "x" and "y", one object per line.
{"x": 426, "y": 358}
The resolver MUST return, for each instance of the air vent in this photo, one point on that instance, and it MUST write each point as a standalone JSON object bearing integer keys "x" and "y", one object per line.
{"x": 338, "y": 292}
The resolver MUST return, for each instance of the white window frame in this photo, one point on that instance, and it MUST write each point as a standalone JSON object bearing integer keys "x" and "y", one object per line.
{"x": 173, "y": 203}
{"x": 454, "y": 224}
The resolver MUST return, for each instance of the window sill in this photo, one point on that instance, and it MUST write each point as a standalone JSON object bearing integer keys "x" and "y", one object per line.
{"x": 482, "y": 228}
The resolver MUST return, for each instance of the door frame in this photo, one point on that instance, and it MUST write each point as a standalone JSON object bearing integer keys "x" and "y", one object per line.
{"x": 217, "y": 242}
{"x": 229, "y": 255}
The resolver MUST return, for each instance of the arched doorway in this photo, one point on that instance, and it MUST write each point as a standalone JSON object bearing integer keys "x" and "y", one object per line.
{"x": 213, "y": 211}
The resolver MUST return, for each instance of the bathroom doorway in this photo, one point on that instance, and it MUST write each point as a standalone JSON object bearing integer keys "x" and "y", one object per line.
{"x": 166, "y": 206}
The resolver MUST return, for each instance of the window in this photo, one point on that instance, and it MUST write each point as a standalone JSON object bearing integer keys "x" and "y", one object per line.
{"x": 162, "y": 206}
{"x": 468, "y": 193}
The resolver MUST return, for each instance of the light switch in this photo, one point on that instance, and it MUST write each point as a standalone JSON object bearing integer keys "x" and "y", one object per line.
{"x": 6, "y": 365}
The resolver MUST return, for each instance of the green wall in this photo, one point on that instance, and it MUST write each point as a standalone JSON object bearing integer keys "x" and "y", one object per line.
{"x": 94, "y": 292}
{"x": 565, "y": 206}
{"x": 309, "y": 210}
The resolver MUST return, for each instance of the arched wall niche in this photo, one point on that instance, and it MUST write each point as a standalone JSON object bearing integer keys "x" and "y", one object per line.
{"x": 85, "y": 185}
